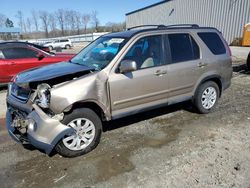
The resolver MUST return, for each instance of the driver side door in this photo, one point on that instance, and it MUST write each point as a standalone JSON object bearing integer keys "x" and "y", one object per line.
{"x": 19, "y": 59}
{"x": 147, "y": 86}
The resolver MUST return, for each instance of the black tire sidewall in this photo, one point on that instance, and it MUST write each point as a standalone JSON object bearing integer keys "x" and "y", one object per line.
{"x": 50, "y": 48}
{"x": 248, "y": 62}
{"x": 198, "y": 96}
{"x": 81, "y": 113}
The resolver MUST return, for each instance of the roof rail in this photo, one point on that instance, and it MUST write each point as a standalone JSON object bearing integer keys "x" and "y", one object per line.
{"x": 182, "y": 25}
{"x": 166, "y": 26}
{"x": 139, "y": 26}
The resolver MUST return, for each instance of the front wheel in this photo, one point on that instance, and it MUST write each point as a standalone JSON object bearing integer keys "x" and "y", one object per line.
{"x": 86, "y": 136}
{"x": 206, "y": 97}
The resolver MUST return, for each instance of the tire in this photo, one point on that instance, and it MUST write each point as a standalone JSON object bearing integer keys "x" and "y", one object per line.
{"x": 202, "y": 93}
{"x": 70, "y": 146}
{"x": 67, "y": 46}
{"x": 248, "y": 61}
{"x": 50, "y": 48}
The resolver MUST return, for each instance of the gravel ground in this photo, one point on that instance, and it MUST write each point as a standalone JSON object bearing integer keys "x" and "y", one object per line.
{"x": 167, "y": 147}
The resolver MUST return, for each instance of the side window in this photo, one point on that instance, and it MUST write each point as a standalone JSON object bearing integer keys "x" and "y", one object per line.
{"x": 213, "y": 42}
{"x": 64, "y": 40}
{"x": 1, "y": 55}
{"x": 18, "y": 53}
{"x": 183, "y": 48}
{"x": 146, "y": 52}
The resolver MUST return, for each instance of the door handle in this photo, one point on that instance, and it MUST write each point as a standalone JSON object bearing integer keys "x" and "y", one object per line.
{"x": 160, "y": 72}
{"x": 201, "y": 64}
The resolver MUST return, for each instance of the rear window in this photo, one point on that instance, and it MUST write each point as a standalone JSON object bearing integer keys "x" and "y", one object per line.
{"x": 213, "y": 42}
{"x": 183, "y": 47}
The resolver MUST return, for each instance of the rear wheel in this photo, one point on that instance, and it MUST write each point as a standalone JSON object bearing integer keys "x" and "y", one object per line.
{"x": 86, "y": 136}
{"x": 67, "y": 46}
{"x": 206, "y": 97}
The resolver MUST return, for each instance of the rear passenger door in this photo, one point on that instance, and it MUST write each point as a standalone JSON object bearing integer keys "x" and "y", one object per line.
{"x": 185, "y": 66}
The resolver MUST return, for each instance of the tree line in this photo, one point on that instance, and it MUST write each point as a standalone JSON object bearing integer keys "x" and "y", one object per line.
{"x": 59, "y": 23}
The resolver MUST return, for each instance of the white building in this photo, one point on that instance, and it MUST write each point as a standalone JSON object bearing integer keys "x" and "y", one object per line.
{"x": 229, "y": 16}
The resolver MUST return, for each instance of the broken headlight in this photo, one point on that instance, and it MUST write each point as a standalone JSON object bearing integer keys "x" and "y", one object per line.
{"x": 43, "y": 95}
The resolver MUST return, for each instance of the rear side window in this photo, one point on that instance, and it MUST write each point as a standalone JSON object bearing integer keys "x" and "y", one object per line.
{"x": 183, "y": 47}
{"x": 18, "y": 53}
{"x": 64, "y": 40}
{"x": 213, "y": 42}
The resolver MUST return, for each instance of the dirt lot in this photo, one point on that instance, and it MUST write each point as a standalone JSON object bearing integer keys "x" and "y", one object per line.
{"x": 167, "y": 147}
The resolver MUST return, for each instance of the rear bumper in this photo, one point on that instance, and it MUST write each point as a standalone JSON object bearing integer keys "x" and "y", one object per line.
{"x": 43, "y": 132}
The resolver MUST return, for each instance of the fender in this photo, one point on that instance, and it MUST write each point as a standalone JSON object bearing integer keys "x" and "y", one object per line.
{"x": 206, "y": 77}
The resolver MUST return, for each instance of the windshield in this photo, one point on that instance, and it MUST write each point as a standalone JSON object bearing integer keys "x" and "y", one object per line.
{"x": 99, "y": 53}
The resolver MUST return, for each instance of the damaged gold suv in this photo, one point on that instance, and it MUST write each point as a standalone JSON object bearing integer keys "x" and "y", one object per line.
{"x": 62, "y": 106}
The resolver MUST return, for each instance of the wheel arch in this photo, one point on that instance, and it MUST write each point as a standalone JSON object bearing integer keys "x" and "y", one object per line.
{"x": 96, "y": 107}
{"x": 215, "y": 78}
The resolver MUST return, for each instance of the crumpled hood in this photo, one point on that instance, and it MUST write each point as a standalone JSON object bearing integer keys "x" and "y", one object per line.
{"x": 51, "y": 71}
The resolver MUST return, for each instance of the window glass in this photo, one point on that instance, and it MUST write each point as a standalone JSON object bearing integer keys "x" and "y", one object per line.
{"x": 183, "y": 47}
{"x": 64, "y": 40}
{"x": 146, "y": 52}
{"x": 18, "y": 53}
{"x": 1, "y": 55}
{"x": 99, "y": 53}
{"x": 213, "y": 42}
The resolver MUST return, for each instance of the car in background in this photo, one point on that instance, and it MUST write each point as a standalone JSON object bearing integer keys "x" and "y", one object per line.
{"x": 17, "y": 57}
{"x": 62, "y": 43}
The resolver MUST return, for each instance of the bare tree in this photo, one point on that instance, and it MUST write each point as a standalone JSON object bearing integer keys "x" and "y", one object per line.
{"x": 85, "y": 21}
{"x": 78, "y": 22}
{"x": 115, "y": 27}
{"x": 44, "y": 16}
{"x": 95, "y": 20}
{"x": 28, "y": 24}
{"x": 60, "y": 15}
{"x": 19, "y": 16}
{"x": 3, "y": 19}
{"x": 35, "y": 18}
{"x": 52, "y": 24}
{"x": 70, "y": 20}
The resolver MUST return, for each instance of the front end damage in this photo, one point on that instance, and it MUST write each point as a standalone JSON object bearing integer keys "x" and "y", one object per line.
{"x": 36, "y": 128}
{"x": 29, "y": 119}
{"x": 33, "y": 109}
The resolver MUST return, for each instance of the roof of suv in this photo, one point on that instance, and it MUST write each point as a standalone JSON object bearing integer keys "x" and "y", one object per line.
{"x": 143, "y": 28}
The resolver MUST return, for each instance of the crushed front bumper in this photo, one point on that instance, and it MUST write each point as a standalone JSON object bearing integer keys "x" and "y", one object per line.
{"x": 43, "y": 131}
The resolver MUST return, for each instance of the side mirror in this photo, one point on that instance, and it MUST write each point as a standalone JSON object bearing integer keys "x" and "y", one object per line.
{"x": 127, "y": 66}
{"x": 40, "y": 56}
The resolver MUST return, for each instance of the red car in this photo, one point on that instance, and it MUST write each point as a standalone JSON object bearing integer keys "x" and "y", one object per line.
{"x": 16, "y": 57}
